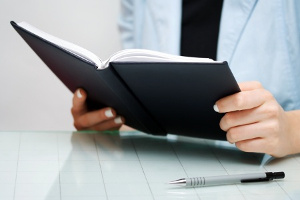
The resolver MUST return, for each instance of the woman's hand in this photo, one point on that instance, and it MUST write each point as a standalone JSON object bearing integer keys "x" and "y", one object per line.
{"x": 100, "y": 120}
{"x": 255, "y": 122}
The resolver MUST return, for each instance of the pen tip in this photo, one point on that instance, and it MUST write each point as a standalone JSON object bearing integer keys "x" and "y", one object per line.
{"x": 179, "y": 181}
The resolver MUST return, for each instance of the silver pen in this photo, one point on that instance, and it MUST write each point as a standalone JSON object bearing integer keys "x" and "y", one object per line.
{"x": 228, "y": 179}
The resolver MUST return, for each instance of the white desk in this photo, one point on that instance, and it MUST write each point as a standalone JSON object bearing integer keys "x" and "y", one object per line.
{"x": 66, "y": 165}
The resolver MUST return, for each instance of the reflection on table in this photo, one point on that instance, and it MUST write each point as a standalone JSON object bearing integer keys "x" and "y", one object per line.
{"x": 132, "y": 165}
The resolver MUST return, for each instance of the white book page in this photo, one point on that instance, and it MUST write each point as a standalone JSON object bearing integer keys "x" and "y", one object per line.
{"x": 143, "y": 55}
{"x": 145, "y": 58}
{"x": 68, "y": 46}
{"x": 127, "y": 55}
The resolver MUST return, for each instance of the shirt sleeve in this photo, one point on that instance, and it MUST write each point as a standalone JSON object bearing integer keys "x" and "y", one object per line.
{"x": 126, "y": 24}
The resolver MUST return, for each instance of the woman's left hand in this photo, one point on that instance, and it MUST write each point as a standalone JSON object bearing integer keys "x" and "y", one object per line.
{"x": 255, "y": 122}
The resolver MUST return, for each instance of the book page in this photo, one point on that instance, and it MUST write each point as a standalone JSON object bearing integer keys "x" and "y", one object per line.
{"x": 68, "y": 46}
{"x": 127, "y": 55}
{"x": 143, "y": 55}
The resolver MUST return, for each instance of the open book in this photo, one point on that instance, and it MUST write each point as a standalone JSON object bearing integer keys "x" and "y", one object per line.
{"x": 155, "y": 92}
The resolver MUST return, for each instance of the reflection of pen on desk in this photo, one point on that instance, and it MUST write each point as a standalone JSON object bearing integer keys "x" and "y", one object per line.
{"x": 228, "y": 179}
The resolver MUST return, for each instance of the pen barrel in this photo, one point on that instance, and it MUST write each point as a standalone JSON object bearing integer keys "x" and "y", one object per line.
{"x": 221, "y": 180}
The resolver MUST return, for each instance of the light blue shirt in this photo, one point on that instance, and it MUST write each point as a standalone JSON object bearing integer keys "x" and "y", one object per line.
{"x": 260, "y": 39}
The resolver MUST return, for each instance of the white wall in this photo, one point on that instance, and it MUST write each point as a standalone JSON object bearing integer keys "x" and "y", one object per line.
{"x": 31, "y": 96}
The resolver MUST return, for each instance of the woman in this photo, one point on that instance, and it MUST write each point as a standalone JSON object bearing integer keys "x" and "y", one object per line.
{"x": 259, "y": 39}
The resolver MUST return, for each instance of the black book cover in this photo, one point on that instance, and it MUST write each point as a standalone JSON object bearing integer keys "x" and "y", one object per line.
{"x": 154, "y": 97}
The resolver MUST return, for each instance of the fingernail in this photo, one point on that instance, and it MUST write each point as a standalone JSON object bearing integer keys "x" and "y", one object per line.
{"x": 79, "y": 95}
{"x": 108, "y": 113}
{"x": 216, "y": 108}
{"x": 118, "y": 120}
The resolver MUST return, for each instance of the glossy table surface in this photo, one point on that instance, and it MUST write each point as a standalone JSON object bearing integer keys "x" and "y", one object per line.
{"x": 132, "y": 165}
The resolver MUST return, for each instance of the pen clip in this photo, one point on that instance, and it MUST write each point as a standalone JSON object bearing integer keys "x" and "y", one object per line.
{"x": 255, "y": 180}
{"x": 269, "y": 177}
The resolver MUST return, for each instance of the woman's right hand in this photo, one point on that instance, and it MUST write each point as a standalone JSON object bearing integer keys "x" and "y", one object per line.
{"x": 100, "y": 120}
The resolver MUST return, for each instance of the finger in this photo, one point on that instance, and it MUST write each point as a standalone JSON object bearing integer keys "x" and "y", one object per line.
{"x": 257, "y": 145}
{"x": 261, "y": 145}
{"x": 246, "y": 132}
{"x": 266, "y": 129}
{"x": 250, "y": 85}
{"x": 93, "y": 118}
{"x": 242, "y": 100}
{"x": 244, "y": 86}
{"x": 238, "y": 118}
{"x": 112, "y": 124}
{"x": 79, "y": 106}
{"x": 250, "y": 116}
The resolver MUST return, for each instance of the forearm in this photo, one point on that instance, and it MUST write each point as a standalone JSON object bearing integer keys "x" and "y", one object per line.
{"x": 294, "y": 130}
